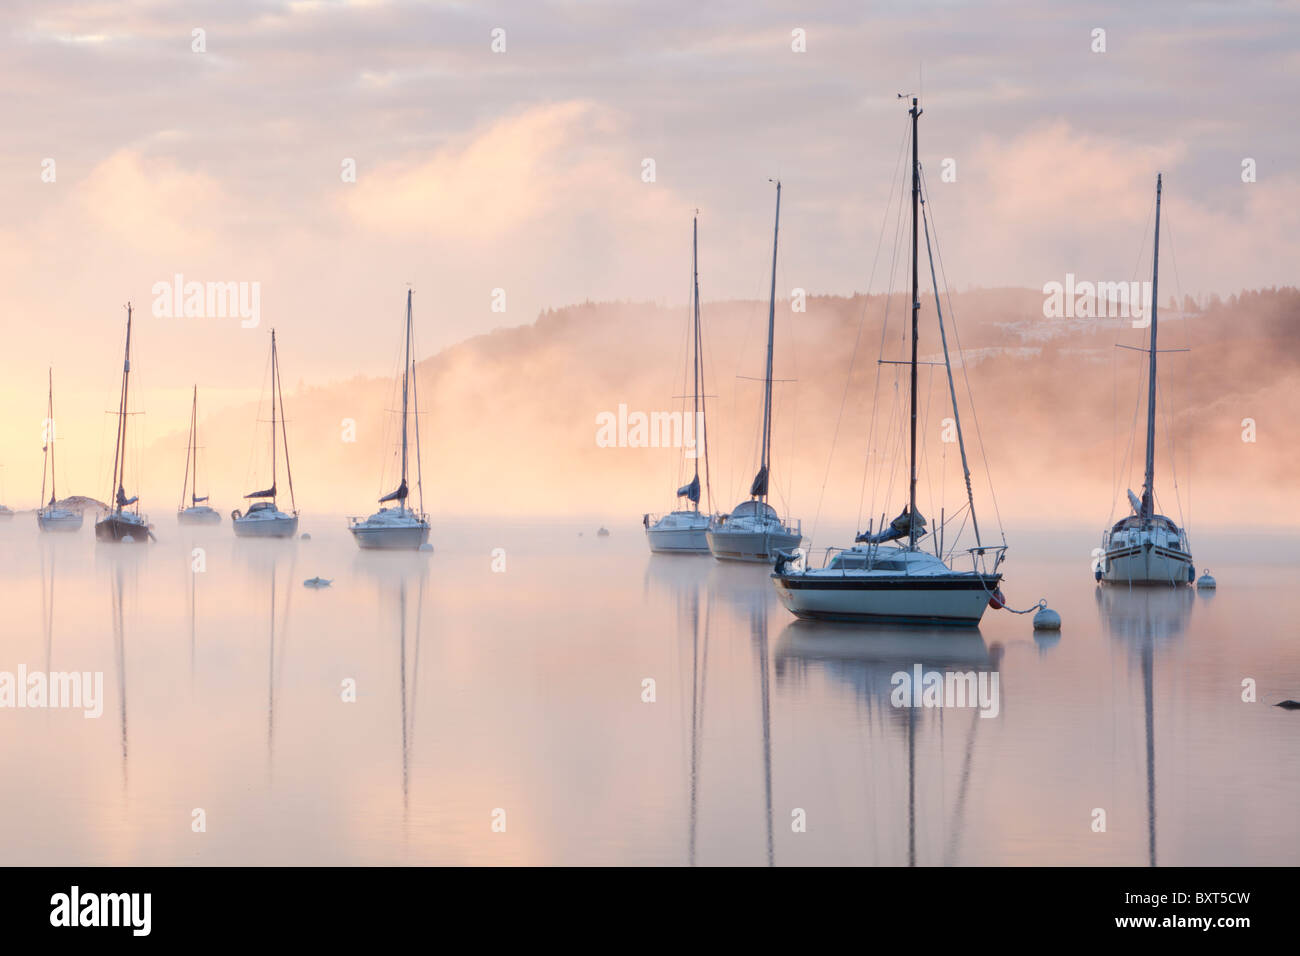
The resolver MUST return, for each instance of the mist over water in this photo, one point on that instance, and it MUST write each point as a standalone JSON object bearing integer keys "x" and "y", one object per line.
{"x": 522, "y": 689}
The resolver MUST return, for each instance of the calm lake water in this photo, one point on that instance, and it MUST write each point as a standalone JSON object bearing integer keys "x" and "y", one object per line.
{"x": 521, "y": 690}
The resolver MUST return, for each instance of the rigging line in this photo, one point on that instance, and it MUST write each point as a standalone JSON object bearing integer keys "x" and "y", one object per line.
{"x": 952, "y": 388}
{"x": 684, "y": 351}
{"x": 251, "y": 478}
{"x": 853, "y": 355}
{"x": 1124, "y": 466}
{"x": 965, "y": 372}
{"x": 284, "y": 435}
{"x": 419, "y": 457}
{"x": 884, "y": 330}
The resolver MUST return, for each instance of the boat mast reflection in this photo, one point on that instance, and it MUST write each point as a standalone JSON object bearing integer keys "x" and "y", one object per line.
{"x": 1144, "y": 619}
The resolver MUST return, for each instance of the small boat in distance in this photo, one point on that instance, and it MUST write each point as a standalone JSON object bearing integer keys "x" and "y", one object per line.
{"x": 901, "y": 584}
{"x": 1145, "y": 547}
{"x": 264, "y": 519}
{"x": 119, "y": 524}
{"x": 754, "y": 531}
{"x": 196, "y": 512}
{"x": 51, "y": 516}
{"x": 685, "y": 530}
{"x": 399, "y": 528}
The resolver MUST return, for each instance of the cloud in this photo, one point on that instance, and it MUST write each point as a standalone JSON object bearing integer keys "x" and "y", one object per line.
{"x": 555, "y": 160}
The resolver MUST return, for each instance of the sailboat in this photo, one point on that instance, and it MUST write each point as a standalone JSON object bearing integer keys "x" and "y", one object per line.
{"x": 120, "y": 524}
{"x": 753, "y": 531}
{"x": 1145, "y": 547}
{"x": 685, "y": 529}
{"x": 399, "y": 528}
{"x": 901, "y": 583}
{"x": 196, "y": 512}
{"x": 264, "y": 519}
{"x": 50, "y": 517}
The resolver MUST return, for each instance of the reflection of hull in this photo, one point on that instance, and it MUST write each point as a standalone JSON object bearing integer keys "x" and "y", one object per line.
{"x": 59, "y": 520}
{"x": 956, "y": 599}
{"x": 281, "y": 526}
{"x": 868, "y": 661}
{"x": 126, "y": 528}
{"x": 1147, "y": 563}
{"x": 754, "y": 546}
{"x": 407, "y": 538}
{"x": 936, "y": 646}
{"x": 1146, "y": 614}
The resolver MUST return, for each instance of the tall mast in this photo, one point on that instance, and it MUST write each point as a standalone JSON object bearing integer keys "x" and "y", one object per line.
{"x": 916, "y": 309}
{"x": 284, "y": 427}
{"x": 274, "y": 364}
{"x": 194, "y": 446}
{"x": 695, "y": 365}
{"x": 1149, "y": 486}
{"x": 49, "y": 443}
{"x": 406, "y": 376}
{"x": 119, "y": 450}
{"x": 771, "y": 330}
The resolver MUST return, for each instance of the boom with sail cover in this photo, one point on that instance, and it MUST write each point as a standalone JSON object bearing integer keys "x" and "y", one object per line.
{"x": 398, "y": 495}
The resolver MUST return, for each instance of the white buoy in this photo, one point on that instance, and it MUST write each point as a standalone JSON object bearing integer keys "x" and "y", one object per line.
{"x": 426, "y": 547}
{"x": 1206, "y": 582}
{"x": 305, "y": 536}
{"x": 127, "y": 539}
{"x": 1046, "y": 619}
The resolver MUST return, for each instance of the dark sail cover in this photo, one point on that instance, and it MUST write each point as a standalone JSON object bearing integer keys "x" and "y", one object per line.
{"x": 759, "y": 487}
{"x": 198, "y": 498}
{"x": 898, "y": 528}
{"x": 398, "y": 495}
{"x": 691, "y": 491}
{"x": 123, "y": 500}
{"x": 268, "y": 493}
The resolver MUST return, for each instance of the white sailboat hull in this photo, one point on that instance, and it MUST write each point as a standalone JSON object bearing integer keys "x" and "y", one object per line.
{"x": 199, "y": 514}
{"x": 1146, "y": 563}
{"x": 59, "y": 520}
{"x": 391, "y": 539}
{"x": 279, "y": 526}
{"x": 958, "y": 599}
{"x": 727, "y": 544}
{"x": 682, "y": 532}
{"x": 680, "y": 540}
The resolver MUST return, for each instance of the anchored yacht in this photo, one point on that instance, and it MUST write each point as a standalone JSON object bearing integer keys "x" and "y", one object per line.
{"x": 753, "y": 531}
{"x": 52, "y": 516}
{"x": 124, "y": 522}
{"x": 887, "y": 576}
{"x": 685, "y": 530}
{"x": 1145, "y": 547}
{"x": 399, "y": 528}
{"x": 264, "y": 519}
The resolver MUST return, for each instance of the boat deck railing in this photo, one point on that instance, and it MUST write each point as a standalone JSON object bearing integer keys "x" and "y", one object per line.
{"x": 980, "y": 558}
